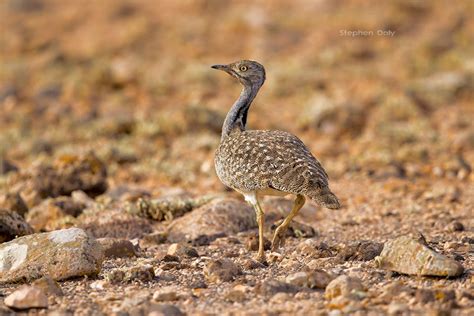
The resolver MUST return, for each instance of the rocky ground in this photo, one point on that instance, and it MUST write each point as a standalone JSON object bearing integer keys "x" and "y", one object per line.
{"x": 110, "y": 115}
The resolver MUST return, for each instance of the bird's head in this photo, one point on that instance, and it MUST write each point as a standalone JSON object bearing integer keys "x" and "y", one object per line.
{"x": 250, "y": 73}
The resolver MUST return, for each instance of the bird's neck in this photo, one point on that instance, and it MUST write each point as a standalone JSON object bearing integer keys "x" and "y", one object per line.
{"x": 236, "y": 119}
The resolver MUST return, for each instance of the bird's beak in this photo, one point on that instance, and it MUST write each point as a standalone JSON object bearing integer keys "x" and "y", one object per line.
{"x": 227, "y": 69}
{"x": 220, "y": 67}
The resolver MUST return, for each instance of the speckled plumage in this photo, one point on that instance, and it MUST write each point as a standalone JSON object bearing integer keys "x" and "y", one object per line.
{"x": 256, "y": 160}
{"x": 260, "y": 162}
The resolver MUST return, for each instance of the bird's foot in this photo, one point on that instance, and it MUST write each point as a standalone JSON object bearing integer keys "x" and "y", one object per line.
{"x": 279, "y": 238}
{"x": 262, "y": 259}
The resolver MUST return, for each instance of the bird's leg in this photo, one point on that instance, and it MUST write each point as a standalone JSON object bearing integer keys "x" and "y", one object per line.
{"x": 260, "y": 221}
{"x": 280, "y": 232}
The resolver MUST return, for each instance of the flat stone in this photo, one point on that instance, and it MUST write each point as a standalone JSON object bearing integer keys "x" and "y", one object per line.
{"x": 60, "y": 254}
{"x": 27, "y": 297}
{"x": 409, "y": 256}
{"x": 12, "y": 225}
{"x": 220, "y": 217}
{"x": 221, "y": 270}
{"x": 117, "y": 248}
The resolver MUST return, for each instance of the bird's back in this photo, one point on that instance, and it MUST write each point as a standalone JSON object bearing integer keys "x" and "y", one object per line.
{"x": 257, "y": 160}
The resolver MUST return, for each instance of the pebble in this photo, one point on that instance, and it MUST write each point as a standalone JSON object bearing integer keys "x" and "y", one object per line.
{"x": 237, "y": 293}
{"x": 316, "y": 279}
{"x": 345, "y": 286}
{"x": 182, "y": 250}
{"x": 142, "y": 273}
{"x": 221, "y": 270}
{"x": 456, "y": 226}
{"x": 12, "y": 225}
{"x": 271, "y": 287}
{"x": 363, "y": 250}
{"x": 27, "y": 297}
{"x": 165, "y": 294}
{"x": 60, "y": 254}
{"x": 409, "y": 256}
{"x": 153, "y": 239}
{"x": 117, "y": 248}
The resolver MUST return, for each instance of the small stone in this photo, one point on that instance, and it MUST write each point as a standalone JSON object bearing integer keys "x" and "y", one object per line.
{"x": 13, "y": 202}
{"x": 153, "y": 239}
{"x": 27, "y": 297}
{"x": 12, "y": 225}
{"x": 345, "y": 286}
{"x": 316, "y": 279}
{"x": 272, "y": 286}
{"x": 221, "y": 270}
{"x": 117, "y": 248}
{"x": 251, "y": 264}
{"x": 182, "y": 250}
{"x": 170, "y": 258}
{"x": 165, "y": 294}
{"x": 115, "y": 276}
{"x": 164, "y": 310}
{"x": 396, "y": 308}
{"x": 363, "y": 250}
{"x": 394, "y": 289}
{"x": 99, "y": 285}
{"x": 237, "y": 293}
{"x": 252, "y": 241}
{"x": 143, "y": 273}
{"x": 315, "y": 249}
{"x": 6, "y": 166}
{"x": 48, "y": 286}
{"x": 424, "y": 296}
{"x": 60, "y": 254}
{"x": 456, "y": 226}
{"x": 409, "y": 256}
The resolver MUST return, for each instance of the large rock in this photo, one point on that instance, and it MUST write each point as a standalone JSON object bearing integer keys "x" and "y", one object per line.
{"x": 218, "y": 218}
{"x": 12, "y": 225}
{"x": 60, "y": 254}
{"x": 67, "y": 174}
{"x": 409, "y": 256}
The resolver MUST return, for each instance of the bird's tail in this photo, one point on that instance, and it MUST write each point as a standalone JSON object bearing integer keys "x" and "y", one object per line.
{"x": 325, "y": 198}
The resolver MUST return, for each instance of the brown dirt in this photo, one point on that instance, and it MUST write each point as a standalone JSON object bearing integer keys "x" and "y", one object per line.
{"x": 390, "y": 117}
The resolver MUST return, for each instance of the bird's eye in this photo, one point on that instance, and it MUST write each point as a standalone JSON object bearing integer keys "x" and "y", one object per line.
{"x": 243, "y": 68}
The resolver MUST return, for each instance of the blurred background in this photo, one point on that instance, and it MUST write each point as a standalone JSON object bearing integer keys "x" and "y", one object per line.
{"x": 131, "y": 80}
